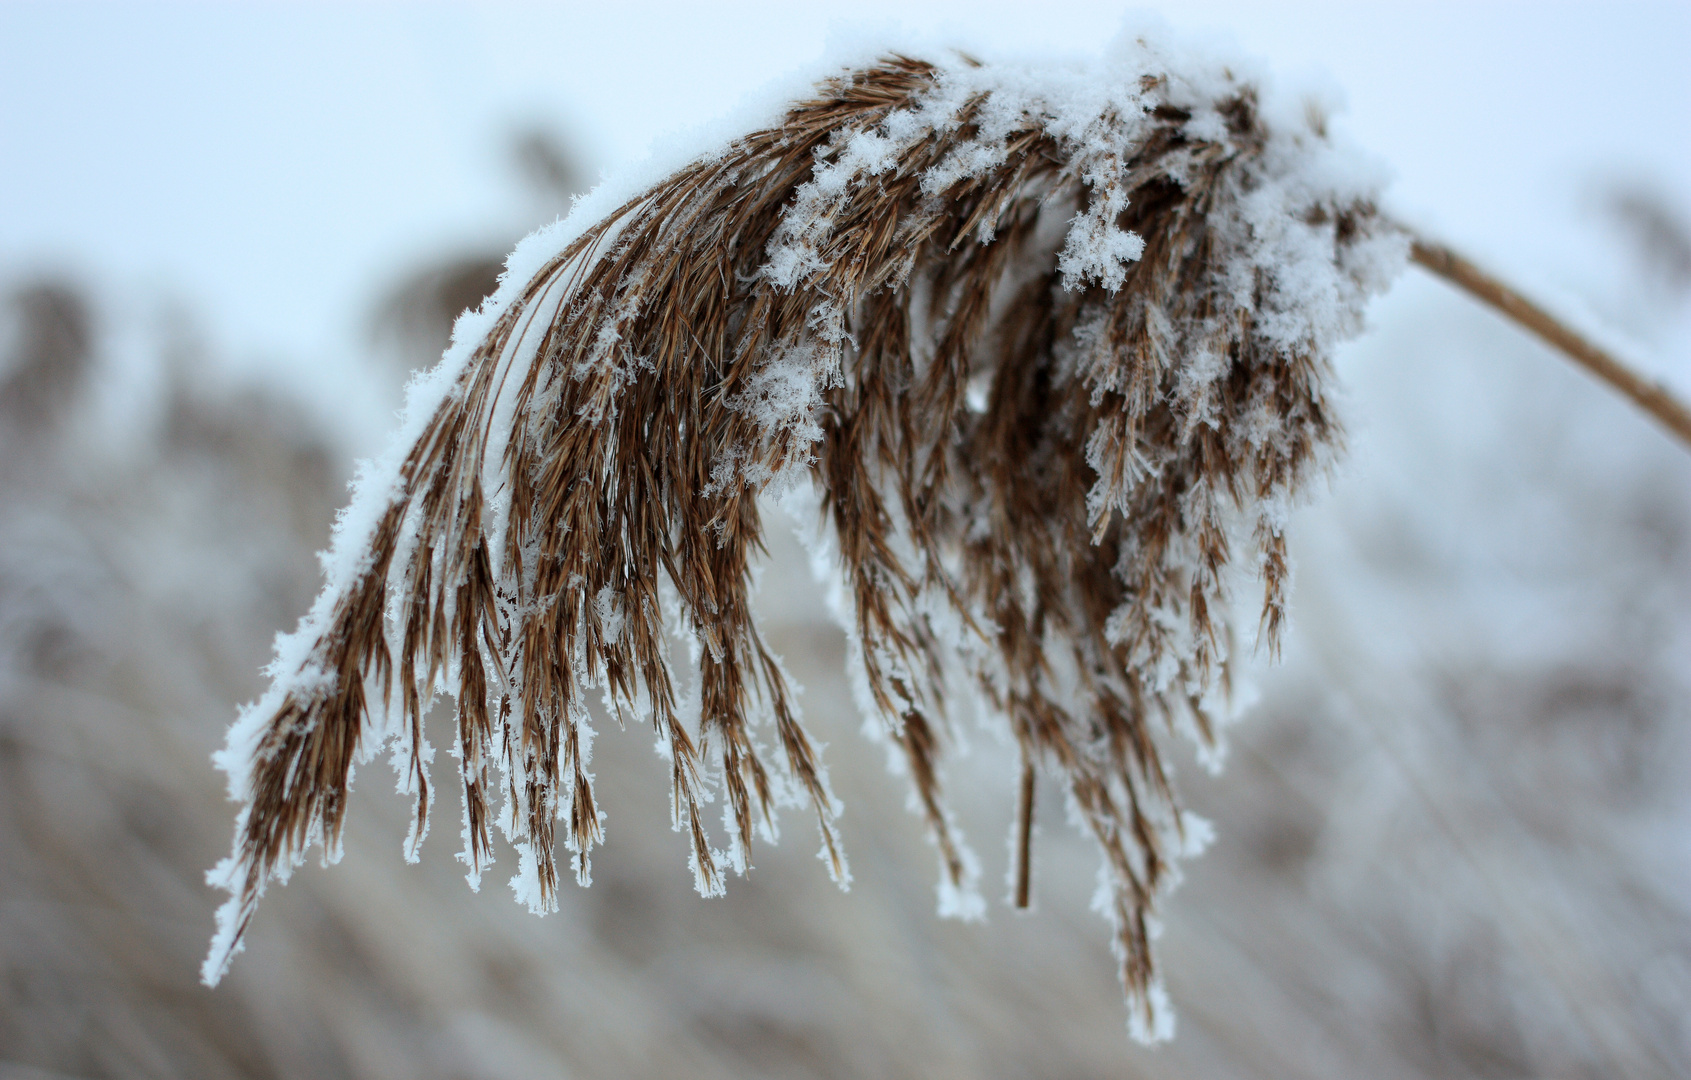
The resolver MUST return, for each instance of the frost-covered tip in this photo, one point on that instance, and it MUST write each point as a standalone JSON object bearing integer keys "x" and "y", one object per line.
{"x": 1043, "y": 346}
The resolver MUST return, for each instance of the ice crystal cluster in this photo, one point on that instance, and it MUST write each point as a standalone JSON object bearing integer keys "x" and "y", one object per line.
{"x": 1044, "y": 350}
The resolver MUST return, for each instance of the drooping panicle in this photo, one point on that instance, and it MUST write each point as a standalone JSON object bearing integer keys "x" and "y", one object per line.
{"x": 1050, "y": 348}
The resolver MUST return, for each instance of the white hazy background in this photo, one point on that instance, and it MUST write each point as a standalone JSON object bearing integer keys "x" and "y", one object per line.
{"x": 1455, "y": 837}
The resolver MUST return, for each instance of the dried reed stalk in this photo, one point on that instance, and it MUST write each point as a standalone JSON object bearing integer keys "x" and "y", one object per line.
{"x": 1048, "y": 347}
{"x": 1651, "y": 396}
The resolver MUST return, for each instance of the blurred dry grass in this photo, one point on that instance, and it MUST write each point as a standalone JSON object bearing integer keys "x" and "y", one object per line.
{"x": 1451, "y": 836}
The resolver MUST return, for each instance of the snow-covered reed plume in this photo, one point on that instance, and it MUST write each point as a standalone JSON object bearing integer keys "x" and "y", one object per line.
{"x": 1048, "y": 345}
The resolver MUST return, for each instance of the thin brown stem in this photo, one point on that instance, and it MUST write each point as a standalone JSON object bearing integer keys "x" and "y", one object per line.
{"x": 1024, "y": 837}
{"x": 1647, "y": 394}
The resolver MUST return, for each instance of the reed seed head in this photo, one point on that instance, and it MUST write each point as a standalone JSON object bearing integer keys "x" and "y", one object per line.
{"x": 1048, "y": 350}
